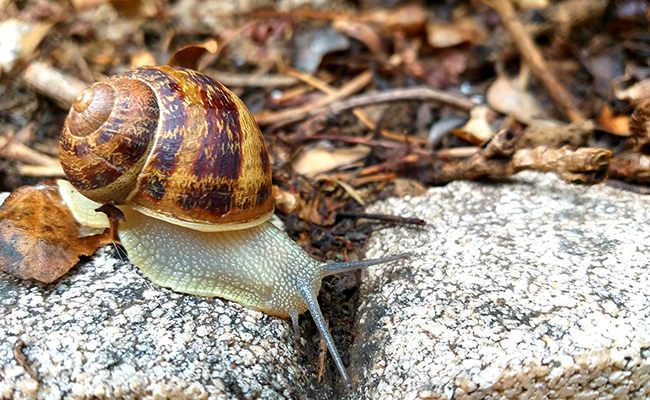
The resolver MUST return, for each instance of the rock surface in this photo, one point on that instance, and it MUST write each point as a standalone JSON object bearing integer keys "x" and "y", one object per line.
{"x": 528, "y": 288}
{"x": 105, "y": 331}
{"x": 523, "y": 288}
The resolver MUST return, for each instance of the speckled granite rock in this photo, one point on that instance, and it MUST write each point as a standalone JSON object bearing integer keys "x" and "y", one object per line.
{"x": 105, "y": 331}
{"x": 529, "y": 288}
{"x": 525, "y": 288}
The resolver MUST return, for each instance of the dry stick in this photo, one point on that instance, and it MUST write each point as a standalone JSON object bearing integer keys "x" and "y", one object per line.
{"x": 359, "y": 113}
{"x": 21, "y": 360}
{"x": 421, "y": 93}
{"x": 534, "y": 59}
{"x": 382, "y": 217}
{"x": 383, "y": 178}
{"x": 230, "y": 79}
{"x": 296, "y": 114}
{"x": 53, "y": 83}
{"x": 14, "y": 150}
{"x": 41, "y": 171}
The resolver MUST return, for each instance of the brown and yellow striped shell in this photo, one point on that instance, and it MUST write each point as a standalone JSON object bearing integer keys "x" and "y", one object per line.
{"x": 172, "y": 143}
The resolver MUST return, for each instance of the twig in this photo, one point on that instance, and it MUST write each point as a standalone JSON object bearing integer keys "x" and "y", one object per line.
{"x": 499, "y": 158}
{"x": 381, "y": 167}
{"x": 420, "y": 93}
{"x": 22, "y": 360}
{"x": 231, "y": 79}
{"x": 41, "y": 171}
{"x": 53, "y": 83}
{"x": 322, "y": 356}
{"x": 383, "y": 217}
{"x": 296, "y": 114}
{"x": 534, "y": 59}
{"x": 356, "y": 140}
{"x": 384, "y": 178}
{"x": 14, "y": 150}
{"x": 358, "y": 112}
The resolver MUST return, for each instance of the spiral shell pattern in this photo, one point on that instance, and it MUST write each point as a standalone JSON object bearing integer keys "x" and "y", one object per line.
{"x": 170, "y": 141}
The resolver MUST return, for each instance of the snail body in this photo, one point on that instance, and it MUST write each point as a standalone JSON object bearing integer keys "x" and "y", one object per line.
{"x": 182, "y": 157}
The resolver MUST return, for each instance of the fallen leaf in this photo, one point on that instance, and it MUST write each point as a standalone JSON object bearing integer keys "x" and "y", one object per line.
{"x": 312, "y": 46}
{"x": 448, "y": 34}
{"x": 616, "y": 124}
{"x": 39, "y": 237}
{"x": 346, "y": 186}
{"x": 635, "y": 94}
{"x": 284, "y": 201}
{"x": 526, "y": 4}
{"x": 409, "y": 19}
{"x": 192, "y": 56}
{"x": 477, "y": 130}
{"x": 318, "y": 159}
{"x": 361, "y": 32}
{"x": 507, "y": 98}
{"x": 143, "y": 58}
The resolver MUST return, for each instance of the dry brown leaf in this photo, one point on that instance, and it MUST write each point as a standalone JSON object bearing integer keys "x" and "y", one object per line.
{"x": 355, "y": 194}
{"x": 318, "y": 159}
{"x": 448, "y": 34}
{"x": 284, "y": 201}
{"x": 477, "y": 130}
{"x": 191, "y": 56}
{"x": 138, "y": 8}
{"x": 507, "y": 98}
{"x": 143, "y": 58}
{"x": 616, "y": 124}
{"x": 359, "y": 31}
{"x": 635, "y": 94}
{"x": 81, "y": 5}
{"x": 640, "y": 129}
{"x": 39, "y": 237}
{"x": 525, "y": 4}
{"x": 409, "y": 19}
{"x": 31, "y": 40}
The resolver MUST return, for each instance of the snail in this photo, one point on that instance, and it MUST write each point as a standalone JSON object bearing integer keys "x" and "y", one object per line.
{"x": 182, "y": 157}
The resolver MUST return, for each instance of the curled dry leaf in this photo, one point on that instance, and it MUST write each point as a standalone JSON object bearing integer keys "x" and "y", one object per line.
{"x": 285, "y": 202}
{"x": 192, "y": 56}
{"x": 640, "y": 129}
{"x": 81, "y": 5}
{"x": 143, "y": 58}
{"x": 19, "y": 39}
{"x": 632, "y": 167}
{"x": 361, "y": 32}
{"x": 462, "y": 30}
{"x": 318, "y": 159}
{"x": 616, "y": 124}
{"x": 635, "y": 94}
{"x": 507, "y": 98}
{"x": 312, "y": 46}
{"x": 409, "y": 19}
{"x": 477, "y": 130}
{"x": 39, "y": 237}
{"x": 526, "y": 4}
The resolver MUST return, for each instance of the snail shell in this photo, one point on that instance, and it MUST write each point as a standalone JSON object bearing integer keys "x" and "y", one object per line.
{"x": 174, "y": 144}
